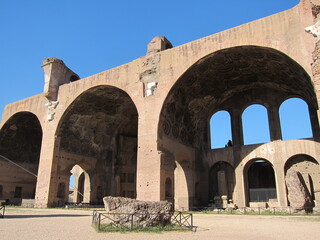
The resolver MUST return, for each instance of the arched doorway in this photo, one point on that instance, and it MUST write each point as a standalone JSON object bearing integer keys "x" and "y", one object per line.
{"x": 261, "y": 184}
{"x": 79, "y": 186}
{"x": 20, "y": 146}
{"x": 99, "y": 130}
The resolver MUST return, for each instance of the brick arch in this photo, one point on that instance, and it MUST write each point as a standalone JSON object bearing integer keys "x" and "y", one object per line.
{"x": 218, "y": 79}
{"x": 99, "y": 129}
{"x": 20, "y": 146}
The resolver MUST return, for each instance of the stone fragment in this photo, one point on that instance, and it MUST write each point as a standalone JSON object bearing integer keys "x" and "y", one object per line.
{"x": 145, "y": 213}
{"x": 298, "y": 194}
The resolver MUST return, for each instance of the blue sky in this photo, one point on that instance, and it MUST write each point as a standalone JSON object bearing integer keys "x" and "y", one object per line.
{"x": 93, "y": 36}
{"x": 294, "y": 121}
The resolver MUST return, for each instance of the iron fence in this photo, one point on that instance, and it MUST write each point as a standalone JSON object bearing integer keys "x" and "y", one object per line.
{"x": 102, "y": 220}
{"x": 258, "y": 210}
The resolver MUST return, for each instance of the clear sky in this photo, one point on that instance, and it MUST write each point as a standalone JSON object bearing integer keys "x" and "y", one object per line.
{"x": 93, "y": 36}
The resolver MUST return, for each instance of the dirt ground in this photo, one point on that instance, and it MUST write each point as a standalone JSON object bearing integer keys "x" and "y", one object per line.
{"x": 20, "y": 223}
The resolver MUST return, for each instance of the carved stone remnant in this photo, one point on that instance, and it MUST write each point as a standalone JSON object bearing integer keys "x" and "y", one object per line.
{"x": 147, "y": 213}
{"x": 298, "y": 193}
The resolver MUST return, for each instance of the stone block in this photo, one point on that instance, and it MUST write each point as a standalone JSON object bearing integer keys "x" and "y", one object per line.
{"x": 147, "y": 213}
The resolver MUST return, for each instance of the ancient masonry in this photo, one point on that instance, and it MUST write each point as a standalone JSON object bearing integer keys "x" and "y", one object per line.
{"x": 141, "y": 130}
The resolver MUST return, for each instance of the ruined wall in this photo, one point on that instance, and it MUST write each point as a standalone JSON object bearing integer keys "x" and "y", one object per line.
{"x": 164, "y": 90}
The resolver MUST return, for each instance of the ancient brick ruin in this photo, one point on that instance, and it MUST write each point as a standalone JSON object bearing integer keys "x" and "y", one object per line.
{"x": 141, "y": 130}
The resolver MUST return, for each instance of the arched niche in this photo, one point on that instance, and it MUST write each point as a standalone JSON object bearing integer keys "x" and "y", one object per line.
{"x": 309, "y": 169}
{"x": 221, "y": 181}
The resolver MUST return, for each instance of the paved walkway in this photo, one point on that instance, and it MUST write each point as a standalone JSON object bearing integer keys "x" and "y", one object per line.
{"x": 76, "y": 224}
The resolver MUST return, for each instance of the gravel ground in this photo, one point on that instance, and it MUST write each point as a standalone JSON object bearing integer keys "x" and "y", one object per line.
{"x": 20, "y": 223}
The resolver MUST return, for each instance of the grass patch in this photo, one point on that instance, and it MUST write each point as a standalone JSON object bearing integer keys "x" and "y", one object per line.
{"x": 150, "y": 229}
{"x": 250, "y": 211}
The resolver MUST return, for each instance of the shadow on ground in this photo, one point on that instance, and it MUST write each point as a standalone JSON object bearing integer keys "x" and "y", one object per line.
{"x": 46, "y": 215}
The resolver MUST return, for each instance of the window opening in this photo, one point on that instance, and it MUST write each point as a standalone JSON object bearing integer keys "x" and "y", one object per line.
{"x": 220, "y": 130}
{"x": 295, "y": 119}
{"x": 255, "y": 125}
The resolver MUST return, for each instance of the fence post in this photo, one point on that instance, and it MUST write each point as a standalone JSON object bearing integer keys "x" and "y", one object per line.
{"x": 162, "y": 220}
{"x": 99, "y": 221}
{"x": 290, "y": 210}
{"x": 131, "y": 225}
{"x": 94, "y": 216}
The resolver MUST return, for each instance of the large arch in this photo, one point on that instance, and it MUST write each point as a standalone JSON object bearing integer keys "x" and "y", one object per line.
{"x": 229, "y": 79}
{"x": 98, "y": 132}
{"x": 20, "y": 146}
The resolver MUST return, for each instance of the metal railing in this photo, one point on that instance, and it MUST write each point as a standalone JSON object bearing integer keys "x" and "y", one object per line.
{"x": 258, "y": 210}
{"x": 262, "y": 194}
{"x": 101, "y": 220}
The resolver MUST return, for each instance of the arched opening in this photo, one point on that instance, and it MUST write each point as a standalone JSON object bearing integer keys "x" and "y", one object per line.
{"x": 261, "y": 184}
{"x": 20, "y": 146}
{"x": 309, "y": 170}
{"x": 220, "y": 130}
{"x": 99, "y": 131}
{"x": 229, "y": 79}
{"x": 295, "y": 119}
{"x": 80, "y": 187}
{"x": 182, "y": 186}
{"x": 255, "y": 124}
{"x": 221, "y": 184}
